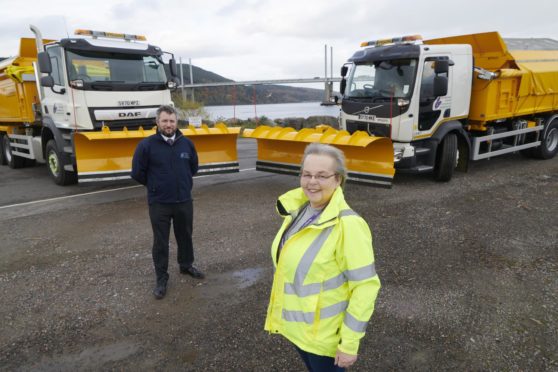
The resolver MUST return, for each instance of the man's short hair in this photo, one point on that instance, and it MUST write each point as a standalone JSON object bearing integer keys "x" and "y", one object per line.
{"x": 167, "y": 109}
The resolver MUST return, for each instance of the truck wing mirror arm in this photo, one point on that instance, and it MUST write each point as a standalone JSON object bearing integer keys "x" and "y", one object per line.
{"x": 48, "y": 82}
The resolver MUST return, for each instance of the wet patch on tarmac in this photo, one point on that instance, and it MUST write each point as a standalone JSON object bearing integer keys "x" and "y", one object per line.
{"x": 89, "y": 358}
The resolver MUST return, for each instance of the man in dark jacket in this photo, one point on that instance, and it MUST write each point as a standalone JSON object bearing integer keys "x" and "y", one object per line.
{"x": 165, "y": 163}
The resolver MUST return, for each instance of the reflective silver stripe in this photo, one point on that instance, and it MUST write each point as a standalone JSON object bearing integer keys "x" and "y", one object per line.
{"x": 343, "y": 213}
{"x": 314, "y": 288}
{"x": 334, "y": 282}
{"x": 297, "y": 287}
{"x": 302, "y": 269}
{"x": 347, "y": 212}
{"x": 329, "y": 311}
{"x": 303, "y": 290}
{"x": 354, "y": 324}
{"x": 361, "y": 273}
{"x": 298, "y": 316}
{"x": 326, "y": 312}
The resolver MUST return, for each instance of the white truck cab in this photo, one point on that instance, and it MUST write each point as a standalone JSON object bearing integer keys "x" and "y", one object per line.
{"x": 403, "y": 89}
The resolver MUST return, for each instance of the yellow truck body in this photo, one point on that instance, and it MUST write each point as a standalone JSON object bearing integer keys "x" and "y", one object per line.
{"x": 526, "y": 81}
{"x": 18, "y": 93}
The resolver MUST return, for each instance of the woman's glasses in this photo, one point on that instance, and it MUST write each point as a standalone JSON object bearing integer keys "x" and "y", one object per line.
{"x": 320, "y": 177}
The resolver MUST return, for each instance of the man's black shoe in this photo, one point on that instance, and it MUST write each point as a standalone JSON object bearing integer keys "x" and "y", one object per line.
{"x": 160, "y": 291}
{"x": 192, "y": 271}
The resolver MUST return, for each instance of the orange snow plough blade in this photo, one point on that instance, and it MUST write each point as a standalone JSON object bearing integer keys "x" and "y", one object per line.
{"x": 369, "y": 159}
{"x": 107, "y": 155}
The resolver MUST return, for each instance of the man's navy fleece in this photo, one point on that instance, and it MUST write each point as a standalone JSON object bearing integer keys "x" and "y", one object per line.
{"x": 165, "y": 170}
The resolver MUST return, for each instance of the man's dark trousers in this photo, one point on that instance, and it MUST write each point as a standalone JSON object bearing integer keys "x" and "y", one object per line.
{"x": 181, "y": 215}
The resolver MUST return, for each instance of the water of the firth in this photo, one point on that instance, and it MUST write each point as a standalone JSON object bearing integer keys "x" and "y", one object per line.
{"x": 272, "y": 111}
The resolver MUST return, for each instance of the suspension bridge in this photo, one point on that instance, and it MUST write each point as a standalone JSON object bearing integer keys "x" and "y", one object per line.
{"x": 328, "y": 81}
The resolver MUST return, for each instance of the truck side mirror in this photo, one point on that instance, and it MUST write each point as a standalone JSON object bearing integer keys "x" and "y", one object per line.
{"x": 47, "y": 81}
{"x": 344, "y": 70}
{"x": 441, "y": 66}
{"x": 44, "y": 63}
{"x": 440, "y": 86}
{"x": 172, "y": 66}
{"x": 342, "y": 86}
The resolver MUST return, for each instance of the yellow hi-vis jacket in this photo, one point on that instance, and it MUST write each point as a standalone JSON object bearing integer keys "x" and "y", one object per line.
{"x": 325, "y": 283}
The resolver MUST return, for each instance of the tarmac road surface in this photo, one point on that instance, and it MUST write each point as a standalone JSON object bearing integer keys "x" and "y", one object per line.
{"x": 468, "y": 271}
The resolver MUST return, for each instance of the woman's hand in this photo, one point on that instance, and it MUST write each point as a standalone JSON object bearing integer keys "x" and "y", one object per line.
{"x": 344, "y": 360}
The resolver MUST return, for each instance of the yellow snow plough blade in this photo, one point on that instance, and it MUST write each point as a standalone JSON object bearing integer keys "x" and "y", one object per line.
{"x": 107, "y": 155}
{"x": 369, "y": 159}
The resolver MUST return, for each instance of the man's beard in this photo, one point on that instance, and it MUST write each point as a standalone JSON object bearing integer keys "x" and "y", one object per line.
{"x": 169, "y": 132}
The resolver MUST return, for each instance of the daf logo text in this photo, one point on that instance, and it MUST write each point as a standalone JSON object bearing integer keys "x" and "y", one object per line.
{"x": 135, "y": 114}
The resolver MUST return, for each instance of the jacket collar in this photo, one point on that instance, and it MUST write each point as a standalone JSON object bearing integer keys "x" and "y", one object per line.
{"x": 178, "y": 134}
{"x": 292, "y": 202}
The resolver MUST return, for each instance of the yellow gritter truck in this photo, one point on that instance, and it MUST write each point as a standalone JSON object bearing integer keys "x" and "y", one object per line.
{"x": 82, "y": 104}
{"x": 441, "y": 103}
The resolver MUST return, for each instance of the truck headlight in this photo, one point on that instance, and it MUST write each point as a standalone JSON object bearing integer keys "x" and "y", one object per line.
{"x": 401, "y": 102}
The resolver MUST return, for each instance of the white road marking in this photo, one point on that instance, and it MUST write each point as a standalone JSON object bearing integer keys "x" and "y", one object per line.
{"x": 91, "y": 193}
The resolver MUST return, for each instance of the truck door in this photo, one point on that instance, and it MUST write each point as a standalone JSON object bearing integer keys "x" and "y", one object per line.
{"x": 56, "y": 99}
{"x": 433, "y": 107}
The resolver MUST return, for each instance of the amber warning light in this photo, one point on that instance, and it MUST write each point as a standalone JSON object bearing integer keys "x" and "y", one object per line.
{"x": 409, "y": 39}
{"x": 111, "y": 35}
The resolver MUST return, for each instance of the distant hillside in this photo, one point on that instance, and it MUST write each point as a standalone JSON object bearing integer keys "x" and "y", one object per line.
{"x": 244, "y": 94}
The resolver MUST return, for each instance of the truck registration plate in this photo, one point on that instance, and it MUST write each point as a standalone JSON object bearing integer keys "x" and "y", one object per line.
{"x": 367, "y": 117}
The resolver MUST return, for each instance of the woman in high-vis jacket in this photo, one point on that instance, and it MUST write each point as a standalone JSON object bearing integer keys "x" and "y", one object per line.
{"x": 325, "y": 283}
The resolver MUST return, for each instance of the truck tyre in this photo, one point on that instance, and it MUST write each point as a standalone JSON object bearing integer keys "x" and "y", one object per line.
{"x": 446, "y": 157}
{"x": 55, "y": 164}
{"x": 527, "y": 153}
{"x": 2, "y": 155}
{"x": 549, "y": 142}
{"x": 8, "y": 158}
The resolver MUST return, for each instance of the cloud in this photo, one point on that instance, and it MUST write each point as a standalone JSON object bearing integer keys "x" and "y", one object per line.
{"x": 131, "y": 9}
{"x": 273, "y": 39}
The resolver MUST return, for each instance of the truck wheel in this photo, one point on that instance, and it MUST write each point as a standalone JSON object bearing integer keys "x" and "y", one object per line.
{"x": 549, "y": 143}
{"x": 55, "y": 164}
{"x": 8, "y": 158}
{"x": 446, "y": 157}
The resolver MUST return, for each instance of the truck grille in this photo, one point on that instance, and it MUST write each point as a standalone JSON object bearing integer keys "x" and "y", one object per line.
{"x": 132, "y": 124}
{"x": 374, "y": 129}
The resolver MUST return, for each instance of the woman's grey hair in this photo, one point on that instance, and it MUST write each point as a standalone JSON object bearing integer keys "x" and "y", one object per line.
{"x": 167, "y": 109}
{"x": 331, "y": 151}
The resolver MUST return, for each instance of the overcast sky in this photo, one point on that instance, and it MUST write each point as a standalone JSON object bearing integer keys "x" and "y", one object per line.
{"x": 273, "y": 39}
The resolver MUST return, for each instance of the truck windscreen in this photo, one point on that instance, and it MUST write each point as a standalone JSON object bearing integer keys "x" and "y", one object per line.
{"x": 113, "y": 71}
{"x": 382, "y": 79}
